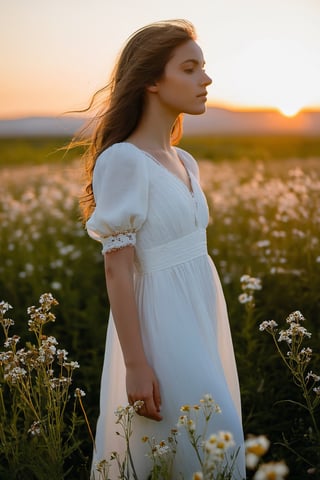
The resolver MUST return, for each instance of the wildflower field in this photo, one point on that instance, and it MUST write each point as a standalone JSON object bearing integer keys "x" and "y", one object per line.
{"x": 264, "y": 196}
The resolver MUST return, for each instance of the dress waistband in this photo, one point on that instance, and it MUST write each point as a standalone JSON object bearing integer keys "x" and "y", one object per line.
{"x": 173, "y": 253}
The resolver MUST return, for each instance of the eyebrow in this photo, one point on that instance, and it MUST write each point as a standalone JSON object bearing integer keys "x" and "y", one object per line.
{"x": 194, "y": 61}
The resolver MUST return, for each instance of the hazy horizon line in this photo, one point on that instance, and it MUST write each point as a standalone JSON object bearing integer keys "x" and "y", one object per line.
{"x": 83, "y": 114}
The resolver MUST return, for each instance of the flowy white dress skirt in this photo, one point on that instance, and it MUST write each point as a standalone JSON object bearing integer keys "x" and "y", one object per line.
{"x": 184, "y": 320}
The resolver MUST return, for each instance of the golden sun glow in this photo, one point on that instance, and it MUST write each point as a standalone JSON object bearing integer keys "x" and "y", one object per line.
{"x": 289, "y": 109}
{"x": 261, "y": 55}
{"x": 277, "y": 73}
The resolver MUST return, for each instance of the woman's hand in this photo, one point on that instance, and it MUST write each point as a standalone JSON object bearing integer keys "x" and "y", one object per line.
{"x": 142, "y": 384}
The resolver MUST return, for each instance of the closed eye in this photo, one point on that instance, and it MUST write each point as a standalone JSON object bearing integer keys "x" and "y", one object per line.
{"x": 191, "y": 64}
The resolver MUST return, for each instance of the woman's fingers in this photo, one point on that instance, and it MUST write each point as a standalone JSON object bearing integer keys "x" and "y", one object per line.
{"x": 142, "y": 384}
{"x": 156, "y": 395}
{"x": 151, "y": 405}
{"x": 150, "y": 410}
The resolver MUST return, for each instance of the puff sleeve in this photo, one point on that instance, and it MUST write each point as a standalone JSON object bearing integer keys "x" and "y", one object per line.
{"x": 120, "y": 188}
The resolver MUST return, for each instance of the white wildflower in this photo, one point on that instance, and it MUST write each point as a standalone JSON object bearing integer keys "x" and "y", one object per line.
{"x": 305, "y": 355}
{"x": 11, "y": 341}
{"x": 160, "y": 449}
{"x": 35, "y": 429}
{"x": 227, "y": 438}
{"x": 197, "y": 476}
{"x": 191, "y": 426}
{"x": 245, "y": 278}
{"x": 297, "y": 329}
{"x": 256, "y": 447}
{"x": 252, "y": 461}
{"x": 274, "y": 470}
{"x": 72, "y": 365}
{"x": 62, "y": 354}
{"x": 119, "y": 412}
{"x": 245, "y": 298}
{"x": 56, "y": 383}
{"x": 295, "y": 317}
{"x": 313, "y": 376}
{"x": 79, "y": 393}
{"x": 268, "y": 325}
{"x": 7, "y": 322}
{"x": 138, "y": 404}
{"x": 254, "y": 284}
{"x": 182, "y": 421}
{"x": 185, "y": 408}
{"x": 4, "y": 307}
{"x": 47, "y": 300}
{"x": 317, "y": 391}
{"x": 284, "y": 336}
{"x": 207, "y": 399}
{"x": 263, "y": 243}
{"x": 250, "y": 283}
{"x": 15, "y": 374}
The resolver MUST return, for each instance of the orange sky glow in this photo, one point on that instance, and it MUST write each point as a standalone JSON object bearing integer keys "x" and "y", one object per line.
{"x": 261, "y": 54}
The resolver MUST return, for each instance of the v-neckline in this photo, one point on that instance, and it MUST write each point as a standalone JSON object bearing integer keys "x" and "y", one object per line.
{"x": 189, "y": 188}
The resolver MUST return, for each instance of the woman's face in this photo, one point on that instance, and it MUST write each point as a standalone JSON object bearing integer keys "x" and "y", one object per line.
{"x": 182, "y": 88}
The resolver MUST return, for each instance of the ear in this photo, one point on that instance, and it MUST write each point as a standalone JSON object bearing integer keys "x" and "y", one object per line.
{"x": 152, "y": 88}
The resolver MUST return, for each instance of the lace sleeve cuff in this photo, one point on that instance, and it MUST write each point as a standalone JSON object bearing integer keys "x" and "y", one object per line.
{"x": 117, "y": 241}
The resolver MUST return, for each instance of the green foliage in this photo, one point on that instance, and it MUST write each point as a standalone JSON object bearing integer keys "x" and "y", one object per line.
{"x": 39, "y": 150}
{"x": 43, "y": 247}
{"x": 265, "y": 217}
{"x": 297, "y": 359}
{"x": 35, "y": 151}
{"x": 37, "y": 432}
{"x": 266, "y": 147}
{"x": 215, "y": 460}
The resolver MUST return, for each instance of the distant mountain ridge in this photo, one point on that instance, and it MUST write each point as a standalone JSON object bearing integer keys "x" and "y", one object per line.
{"x": 40, "y": 126}
{"x": 215, "y": 121}
{"x": 222, "y": 121}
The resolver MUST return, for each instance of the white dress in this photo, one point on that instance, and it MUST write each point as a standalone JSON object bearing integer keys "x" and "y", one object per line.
{"x": 182, "y": 310}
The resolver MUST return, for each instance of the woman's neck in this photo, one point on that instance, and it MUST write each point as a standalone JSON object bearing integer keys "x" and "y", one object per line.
{"x": 153, "y": 132}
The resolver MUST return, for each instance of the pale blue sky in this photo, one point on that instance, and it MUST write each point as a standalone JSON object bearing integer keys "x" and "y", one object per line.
{"x": 56, "y": 53}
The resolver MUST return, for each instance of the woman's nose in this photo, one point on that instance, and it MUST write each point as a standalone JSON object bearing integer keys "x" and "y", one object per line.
{"x": 207, "y": 80}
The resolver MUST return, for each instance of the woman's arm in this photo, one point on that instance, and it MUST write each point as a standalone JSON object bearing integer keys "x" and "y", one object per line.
{"x": 141, "y": 380}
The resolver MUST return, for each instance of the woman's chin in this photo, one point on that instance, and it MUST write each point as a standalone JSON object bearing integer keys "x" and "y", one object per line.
{"x": 197, "y": 110}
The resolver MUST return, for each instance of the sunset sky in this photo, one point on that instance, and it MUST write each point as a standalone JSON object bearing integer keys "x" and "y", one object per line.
{"x": 260, "y": 53}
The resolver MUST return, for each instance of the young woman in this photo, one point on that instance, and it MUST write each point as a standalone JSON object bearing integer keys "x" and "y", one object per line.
{"x": 168, "y": 338}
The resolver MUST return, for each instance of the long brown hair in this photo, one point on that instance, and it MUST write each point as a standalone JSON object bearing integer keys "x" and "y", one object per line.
{"x": 141, "y": 63}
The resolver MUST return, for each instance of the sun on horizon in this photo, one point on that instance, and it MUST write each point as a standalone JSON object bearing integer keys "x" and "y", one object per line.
{"x": 289, "y": 109}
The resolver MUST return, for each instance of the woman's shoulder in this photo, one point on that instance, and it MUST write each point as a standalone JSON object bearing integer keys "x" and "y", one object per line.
{"x": 120, "y": 149}
{"x": 119, "y": 166}
{"x": 122, "y": 154}
{"x": 189, "y": 161}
